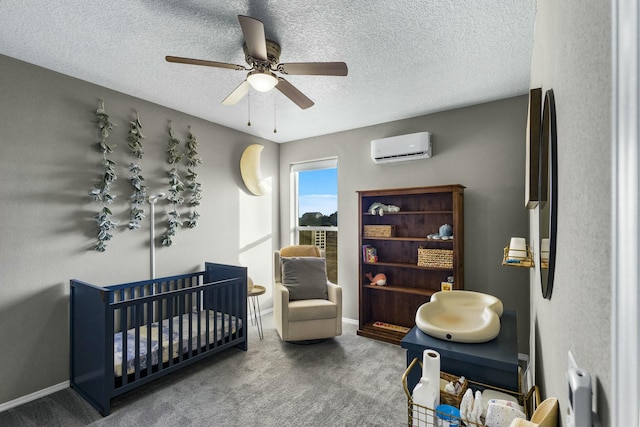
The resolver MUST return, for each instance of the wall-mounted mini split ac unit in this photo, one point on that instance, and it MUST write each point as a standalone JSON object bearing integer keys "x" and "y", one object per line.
{"x": 401, "y": 148}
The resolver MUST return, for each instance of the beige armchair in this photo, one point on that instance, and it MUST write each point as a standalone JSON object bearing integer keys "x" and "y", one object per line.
{"x": 309, "y": 318}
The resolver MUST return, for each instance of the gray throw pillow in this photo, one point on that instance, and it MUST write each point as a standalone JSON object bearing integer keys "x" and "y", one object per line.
{"x": 305, "y": 277}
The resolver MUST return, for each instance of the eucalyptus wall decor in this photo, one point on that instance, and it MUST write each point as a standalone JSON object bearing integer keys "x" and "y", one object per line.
{"x": 194, "y": 187}
{"x": 102, "y": 189}
{"x": 139, "y": 195}
{"x": 179, "y": 192}
{"x": 176, "y": 188}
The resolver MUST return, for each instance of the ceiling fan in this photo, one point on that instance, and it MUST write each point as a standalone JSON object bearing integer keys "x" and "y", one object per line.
{"x": 263, "y": 56}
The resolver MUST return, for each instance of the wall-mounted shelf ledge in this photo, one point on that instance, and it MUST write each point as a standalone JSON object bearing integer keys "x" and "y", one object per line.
{"x": 518, "y": 261}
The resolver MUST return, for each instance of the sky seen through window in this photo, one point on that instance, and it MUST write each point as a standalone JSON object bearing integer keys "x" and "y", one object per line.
{"x": 318, "y": 191}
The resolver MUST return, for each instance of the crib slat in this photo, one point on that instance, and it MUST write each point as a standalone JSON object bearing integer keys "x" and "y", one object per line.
{"x": 216, "y": 293}
{"x": 125, "y": 342}
{"x": 135, "y": 316}
{"x": 233, "y": 332}
{"x": 228, "y": 311}
{"x": 193, "y": 326}
{"x": 239, "y": 310}
{"x": 180, "y": 327}
{"x": 186, "y": 316}
{"x": 161, "y": 347}
{"x": 148, "y": 324}
{"x": 204, "y": 344}
{"x": 189, "y": 317}
{"x": 169, "y": 310}
{"x": 221, "y": 308}
{"x": 242, "y": 308}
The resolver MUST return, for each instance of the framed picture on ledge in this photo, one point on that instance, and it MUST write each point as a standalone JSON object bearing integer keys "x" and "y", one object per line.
{"x": 534, "y": 122}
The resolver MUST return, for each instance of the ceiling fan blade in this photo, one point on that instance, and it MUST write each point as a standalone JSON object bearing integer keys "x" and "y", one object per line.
{"x": 190, "y": 61}
{"x": 314, "y": 68}
{"x": 253, "y": 30}
{"x": 290, "y": 91}
{"x": 237, "y": 94}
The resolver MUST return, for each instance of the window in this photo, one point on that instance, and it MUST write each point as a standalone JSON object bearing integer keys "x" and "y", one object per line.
{"x": 315, "y": 208}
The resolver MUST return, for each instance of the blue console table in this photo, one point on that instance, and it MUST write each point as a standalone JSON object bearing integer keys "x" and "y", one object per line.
{"x": 494, "y": 363}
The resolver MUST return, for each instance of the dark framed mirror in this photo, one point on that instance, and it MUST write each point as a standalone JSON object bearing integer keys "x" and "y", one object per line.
{"x": 548, "y": 195}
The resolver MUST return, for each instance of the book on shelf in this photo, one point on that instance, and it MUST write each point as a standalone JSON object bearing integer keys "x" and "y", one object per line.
{"x": 369, "y": 254}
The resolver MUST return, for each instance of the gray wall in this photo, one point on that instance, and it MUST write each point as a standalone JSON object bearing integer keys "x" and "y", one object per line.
{"x": 572, "y": 56}
{"x": 481, "y": 147}
{"x": 47, "y": 167}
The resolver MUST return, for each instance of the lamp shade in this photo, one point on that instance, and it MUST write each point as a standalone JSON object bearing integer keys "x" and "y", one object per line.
{"x": 262, "y": 81}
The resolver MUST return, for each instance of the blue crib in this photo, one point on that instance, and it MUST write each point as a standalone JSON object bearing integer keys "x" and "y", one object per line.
{"x": 124, "y": 336}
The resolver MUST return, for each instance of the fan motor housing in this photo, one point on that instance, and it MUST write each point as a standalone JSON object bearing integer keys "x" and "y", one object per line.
{"x": 273, "y": 54}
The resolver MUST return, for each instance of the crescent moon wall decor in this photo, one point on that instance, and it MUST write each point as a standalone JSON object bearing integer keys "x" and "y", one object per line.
{"x": 250, "y": 170}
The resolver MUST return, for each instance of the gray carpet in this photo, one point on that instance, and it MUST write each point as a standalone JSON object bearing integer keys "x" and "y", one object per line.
{"x": 344, "y": 381}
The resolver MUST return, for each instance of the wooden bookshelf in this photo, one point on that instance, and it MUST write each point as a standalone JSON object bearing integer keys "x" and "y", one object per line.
{"x": 422, "y": 211}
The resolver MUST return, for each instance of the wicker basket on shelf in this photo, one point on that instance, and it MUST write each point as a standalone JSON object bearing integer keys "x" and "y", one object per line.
{"x": 379, "y": 230}
{"x": 453, "y": 399}
{"x": 436, "y": 258}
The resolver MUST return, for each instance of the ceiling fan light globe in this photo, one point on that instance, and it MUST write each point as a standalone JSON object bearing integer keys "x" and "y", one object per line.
{"x": 262, "y": 81}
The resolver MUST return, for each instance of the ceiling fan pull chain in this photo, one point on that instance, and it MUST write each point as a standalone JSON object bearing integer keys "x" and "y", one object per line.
{"x": 274, "y": 112}
{"x": 249, "y": 108}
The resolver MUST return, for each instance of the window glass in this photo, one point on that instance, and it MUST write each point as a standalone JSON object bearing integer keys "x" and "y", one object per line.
{"x": 316, "y": 209}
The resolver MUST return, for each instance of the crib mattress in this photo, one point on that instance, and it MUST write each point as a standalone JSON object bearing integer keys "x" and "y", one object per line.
{"x": 216, "y": 323}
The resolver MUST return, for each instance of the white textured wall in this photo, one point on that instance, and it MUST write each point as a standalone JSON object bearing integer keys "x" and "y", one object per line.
{"x": 481, "y": 147}
{"x": 571, "y": 55}
{"x": 47, "y": 167}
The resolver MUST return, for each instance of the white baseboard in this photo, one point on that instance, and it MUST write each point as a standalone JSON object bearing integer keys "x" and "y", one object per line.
{"x": 33, "y": 396}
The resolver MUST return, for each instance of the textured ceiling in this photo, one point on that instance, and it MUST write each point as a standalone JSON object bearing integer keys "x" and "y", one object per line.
{"x": 405, "y": 58}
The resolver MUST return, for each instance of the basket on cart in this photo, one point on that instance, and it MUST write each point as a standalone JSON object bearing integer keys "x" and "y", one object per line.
{"x": 423, "y": 416}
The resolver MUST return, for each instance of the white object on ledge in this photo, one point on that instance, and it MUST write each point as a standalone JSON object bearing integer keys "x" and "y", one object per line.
{"x": 518, "y": 248}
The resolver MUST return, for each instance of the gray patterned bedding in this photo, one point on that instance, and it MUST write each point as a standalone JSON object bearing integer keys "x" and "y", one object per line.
{"x": 216, "y": 321}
